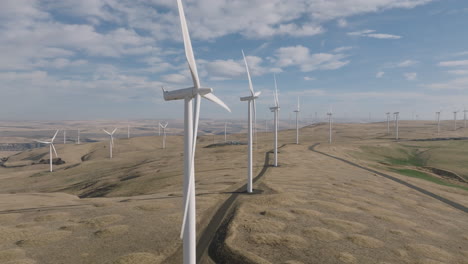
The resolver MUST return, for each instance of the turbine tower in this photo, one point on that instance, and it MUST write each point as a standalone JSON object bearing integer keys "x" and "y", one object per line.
{"x": 128, "y": 130}
{"x": 330, "y": 114}
{"x": 111, "y": 141}
{"x": 464, "y": 116}
{"x": 275, "y": 109}
{"x": 396, "y": 124}
{"x": 251, "y": 107}
{"x": 438, "y": 122}
{"x": 164, "y": 134}
{"x": 225, "y": 132}
{"x": 297, "y": 120}
{"x": 51, "y": 147}
{"x": 388, "y": 123}
{"x": 78, "y": 140}
{"x": 191, "y": 118}
{"x": 455, "y": 120}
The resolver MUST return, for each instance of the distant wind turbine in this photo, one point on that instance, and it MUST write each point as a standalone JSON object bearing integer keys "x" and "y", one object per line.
{"x": 455, "y": 120}
{"x": 128, "y": 130}
{"x": 330, "y": 114}
{"x": 275, "y": 109}
{"x": 297, "y": 120}
{"x": 164, "y": 134}
{"x": 111, "y": 141}
{"x": 438, "y": 122}
{"x": 225, "y": 132}
{"x": 388, "y": 123}
{"x": 51, "y": 147}
{"x": 396, "y": 124}
{"x": 78, "y": 139}
{"x": 191, "y": 119}
{"x": 464, "y": 116}
{"x": 251, "y": 107}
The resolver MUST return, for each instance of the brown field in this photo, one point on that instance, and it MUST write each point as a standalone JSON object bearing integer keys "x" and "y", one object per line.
{"x": 311, "y": 209}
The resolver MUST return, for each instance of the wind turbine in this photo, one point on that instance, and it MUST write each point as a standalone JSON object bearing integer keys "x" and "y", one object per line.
{"x": 251, "y": 106}
{"x": 111, "y": 142}
{"x": 330, "y": 114}
{"x": 297, "y": 121}
{"x": 78, "y": 140}
{"x": 128, "y": 130}
{"x": 164, "y": 134}
{"x": 388, "y": 123}
{"x": 51, "y": 146}
{"x": 225, "y": 132}
{"x": 396, "y": 124}
{"x": 275, "y": 109}
{"x": 438, "y": 122}
{"x": 455, "y": 120}
{"x": 191, "y": 119}
{"x": 464, "y": 116}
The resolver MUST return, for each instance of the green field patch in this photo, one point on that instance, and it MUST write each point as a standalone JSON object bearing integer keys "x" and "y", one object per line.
{"x": 427, "y": 177}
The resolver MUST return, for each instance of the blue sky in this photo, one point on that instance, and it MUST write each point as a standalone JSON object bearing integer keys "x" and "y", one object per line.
{"x": 107, "y": 59}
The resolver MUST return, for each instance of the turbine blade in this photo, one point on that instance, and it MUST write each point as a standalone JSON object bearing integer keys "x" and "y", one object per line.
{"x": 43, "y": 142}
{"x": 276, "y": 92}
{"x": 53, "y": 147}
{"x": 298, "y": 104}
{"x": 56, "y": 132}
{"x": 114, "y": 131}
{"x": 106, "y": 132}
{"x": 248, "y": 75}
{"x": 188, "y": 46}
{"x": 216, "y": 100}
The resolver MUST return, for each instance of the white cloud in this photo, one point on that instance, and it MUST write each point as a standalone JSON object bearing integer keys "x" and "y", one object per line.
{"x": 406, "y": 63}
{"x": 370, "y": 33}
{"x": 456, "y": 63}
{"x": 300, "y": 56}
{"x": 379, "y": 74}
{"x": 342, "y": 49}
{"x": 456, "y": 84}
{"x": 410, "y": 76}
{"x": 342, "y": 23}
{"x": 459, "y": 72}
{"x": 307, "y": 78}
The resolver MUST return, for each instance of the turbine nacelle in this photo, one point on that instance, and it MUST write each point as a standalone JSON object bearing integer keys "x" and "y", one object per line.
{"x": 250, "y": 98}
{"x": 181, "y": 94}
{"x": 274, "y": 108}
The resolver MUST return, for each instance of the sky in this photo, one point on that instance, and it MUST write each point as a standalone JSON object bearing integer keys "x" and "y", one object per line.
{"x": 108, "y": 59}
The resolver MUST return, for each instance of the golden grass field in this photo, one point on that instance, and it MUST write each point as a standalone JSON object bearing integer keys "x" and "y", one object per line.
{"x": 310, "y": 209}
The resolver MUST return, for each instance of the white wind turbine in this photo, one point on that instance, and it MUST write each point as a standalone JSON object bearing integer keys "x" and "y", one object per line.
{"x": 438, "y": 122}
{"x": 251, "y": 106}
{"x": 164, "y": 134}
{"x": 51, "y": 147}
{"x": 111, "y": 141}
{"x": 275, "y": 109}
{"x": 225, "y": 132}
{"x": 191, "y": 119}
{"x": 78, "y": 139}
{"x": 388, "y": 123}
{"x": 396, "y": 124}
{"x": 464, "y": 116}
{"x": 64, "y": 136}
{"x": 297, "y": 121}
{"x": 128, "y": 130}
{"x": 455, "y": 120}
{"x": 330, "y": 121}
